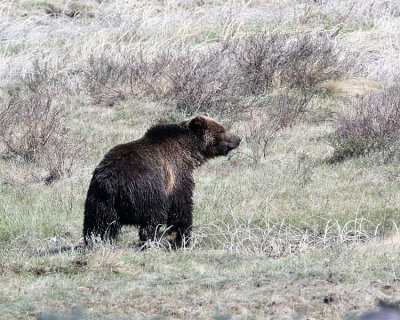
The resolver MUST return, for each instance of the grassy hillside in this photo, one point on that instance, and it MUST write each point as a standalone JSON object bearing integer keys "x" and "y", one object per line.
{"x": 300, "y": 222}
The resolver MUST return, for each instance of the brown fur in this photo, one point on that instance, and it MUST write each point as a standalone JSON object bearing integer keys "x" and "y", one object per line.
{"x": 149, "y": 182}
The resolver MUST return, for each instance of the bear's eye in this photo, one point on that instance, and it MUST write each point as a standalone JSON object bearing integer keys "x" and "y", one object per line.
{"x": 221, "y": 131}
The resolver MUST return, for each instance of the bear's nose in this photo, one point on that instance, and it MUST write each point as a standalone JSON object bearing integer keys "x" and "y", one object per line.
{"x": 239, "y": 138}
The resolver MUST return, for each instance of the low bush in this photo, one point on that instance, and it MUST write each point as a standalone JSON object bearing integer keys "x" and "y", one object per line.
{"x": 32, "y": 127}
{"x": 310, "y": 59}
{"x": 107, "y": 76}
{"x": 374, "y": 126}
{"x": 258, "y": 59}
{"x": 203, "y": 82}
{"x": 274, "y": 60}
{"x": 28, "y": 122}
{"x": 214, "y": 79}
{"x": 271, "y": 114}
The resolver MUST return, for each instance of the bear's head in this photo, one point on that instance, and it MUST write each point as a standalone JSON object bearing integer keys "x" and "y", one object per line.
{"x": 218, "y": 141}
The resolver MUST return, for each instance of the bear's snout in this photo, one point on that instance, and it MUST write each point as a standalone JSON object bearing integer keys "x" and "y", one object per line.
{"x": 230, "y": 144}
{"x": 236, "y": 141}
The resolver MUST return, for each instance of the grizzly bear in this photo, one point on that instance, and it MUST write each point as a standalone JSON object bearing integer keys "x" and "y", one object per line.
{"x": 149, "y": 182}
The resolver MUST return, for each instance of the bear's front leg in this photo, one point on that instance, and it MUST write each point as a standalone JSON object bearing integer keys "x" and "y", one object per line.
{"x": 183, "y": 235}
{"x": 180, "y": 217}
{"x": 146, "y": 233}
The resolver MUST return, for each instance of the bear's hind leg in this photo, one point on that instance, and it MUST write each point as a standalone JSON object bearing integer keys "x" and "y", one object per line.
{"x": 112, "y": 231}
{"x": 101, "y": 220}
{"x": 106, "y": 232}
{"x": 183, "y": 235}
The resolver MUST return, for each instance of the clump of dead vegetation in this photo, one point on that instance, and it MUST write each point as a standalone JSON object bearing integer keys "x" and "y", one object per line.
{"x": 268, "y": 76}
{"x": 212, "y": 77}
{"x": 273, "y": 60}
{"x": 33, "y": 123}
{"x": 373, "y": 127}
{"x": 32, "y": 128}
{"x": 258, "y": 234}
{"x": 272, "y": 113}
{"x": 29, "y": 122}
{"x": 257, "y": 59}
{"x": 202, "y": 82}
{"x": 108, "y": 76}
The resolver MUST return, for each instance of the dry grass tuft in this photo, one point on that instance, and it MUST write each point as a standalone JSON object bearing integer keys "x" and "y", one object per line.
{"x": 353, "y": 87}
{"x": 259, "y": 234}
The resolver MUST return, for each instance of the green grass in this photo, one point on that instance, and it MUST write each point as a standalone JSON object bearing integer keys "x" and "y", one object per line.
{"x": 277, "y": 237}
{"x": 203, "y": 283}
{"x": 10, "y": 50}
{"x": 220, "y": 274}
{"x": 252, "y": 222}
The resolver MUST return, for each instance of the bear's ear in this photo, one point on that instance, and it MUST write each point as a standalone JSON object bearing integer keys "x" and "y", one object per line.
{"x": 197, "y": 123}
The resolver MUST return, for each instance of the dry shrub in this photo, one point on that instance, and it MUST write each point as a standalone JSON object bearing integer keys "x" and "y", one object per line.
{"x": 215, "y": 79}
{"x": 271, "y": 114}
{"x": 61, "y": 153}
{"x": 28, "y": 123}
{"x": 273, "y": 60}
{"x": 202, "y": 82}
{"x": 150, "y": 77}
{"x": 310, "y": 59}
{"x": 258, "y": 58}
{"x": 191, "y": 81}
{"x": 115, "y": 74}
{"x": 49, "y": 73}
{"x": 107, "y": 76}
{"x": 374, "y": 126}
{"x": 31, "y": 127}
{"x": 221, "y": 80}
